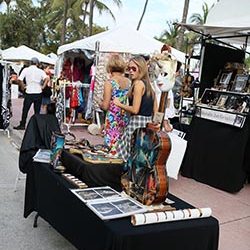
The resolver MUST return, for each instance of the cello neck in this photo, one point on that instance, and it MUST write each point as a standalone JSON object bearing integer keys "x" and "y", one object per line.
{"x": 163, "y": 102}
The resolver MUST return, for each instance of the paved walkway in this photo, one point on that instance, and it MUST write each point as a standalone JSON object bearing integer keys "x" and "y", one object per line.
{"x": 232, "y": 210}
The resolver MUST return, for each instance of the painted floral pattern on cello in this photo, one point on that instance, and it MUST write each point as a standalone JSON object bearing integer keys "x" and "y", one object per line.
{"x": 116, "y": 118}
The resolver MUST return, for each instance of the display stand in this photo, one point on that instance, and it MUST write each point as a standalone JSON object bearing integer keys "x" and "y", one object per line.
{"x": 224, "y": 106}
{"x": 5, "y": 97}
{"x": 218, "y": 142}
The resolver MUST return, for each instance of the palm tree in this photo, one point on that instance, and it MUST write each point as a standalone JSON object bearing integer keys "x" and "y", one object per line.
{"x": 76, "y": 11}
{"x": 184, "y": 19}
{"x": 198, "y": 19}
{"x": 62, "y": 8}
{"x": 65, "y": 17}
{"x": 143, "y": 13}
{"x": 91, "y": 16}
{"x": 101, "y": 7}
{"x": 169, "y": 36}
{"x": 201, "y": 18}
{"x": 7, "y": 4}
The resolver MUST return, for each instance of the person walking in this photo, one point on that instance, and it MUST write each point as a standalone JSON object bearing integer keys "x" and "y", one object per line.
{"x": 36, "y": 80}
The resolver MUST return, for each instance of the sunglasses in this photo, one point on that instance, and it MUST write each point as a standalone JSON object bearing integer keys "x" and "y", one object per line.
{"x": 133, "y": 68}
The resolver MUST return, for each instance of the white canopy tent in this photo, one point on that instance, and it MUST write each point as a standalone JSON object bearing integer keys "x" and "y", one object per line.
{"x": 24, "y": 53}
{"x": 228, "y": 20}
{"x": 121, "y": 39}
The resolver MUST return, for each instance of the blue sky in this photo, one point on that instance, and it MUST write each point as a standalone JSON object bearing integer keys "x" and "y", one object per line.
{"x": 157, "y": 14}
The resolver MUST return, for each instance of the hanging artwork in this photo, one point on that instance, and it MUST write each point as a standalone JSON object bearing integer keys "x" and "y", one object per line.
{"x": 5, "y": 104}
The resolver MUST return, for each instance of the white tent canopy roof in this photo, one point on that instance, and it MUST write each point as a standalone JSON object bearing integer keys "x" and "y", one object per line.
{"x": 24, "y": 53}
{"x": 226, "y": 18}
{"x": 120, "y": 39}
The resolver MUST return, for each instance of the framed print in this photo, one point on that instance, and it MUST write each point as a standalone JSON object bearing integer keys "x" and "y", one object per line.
{"x": 239, "y": 121}
{"x": 225, "y": 79}
{"x": 240, "y": 83}
{"x": 231, "y": 103}
{"x": 221, "y": 101}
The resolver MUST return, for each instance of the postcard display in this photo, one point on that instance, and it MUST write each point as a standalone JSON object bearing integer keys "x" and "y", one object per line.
{"x": 228, "y": 101}
{"x": 5, "y": 101}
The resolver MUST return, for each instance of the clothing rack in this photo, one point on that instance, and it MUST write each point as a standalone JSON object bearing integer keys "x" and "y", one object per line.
{"x": 64, "y": 105}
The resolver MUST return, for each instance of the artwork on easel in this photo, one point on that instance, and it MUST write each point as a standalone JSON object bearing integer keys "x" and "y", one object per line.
{"x": 240, "y": 83}
{"x": 225, "y": 80}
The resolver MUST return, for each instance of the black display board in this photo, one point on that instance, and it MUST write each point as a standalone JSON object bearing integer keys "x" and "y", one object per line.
{"x": 1, "y": 94}
{"x": 214, "y": 59}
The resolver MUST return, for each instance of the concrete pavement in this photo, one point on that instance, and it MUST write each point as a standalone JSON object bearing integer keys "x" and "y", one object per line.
{"x": 16, "y": 232}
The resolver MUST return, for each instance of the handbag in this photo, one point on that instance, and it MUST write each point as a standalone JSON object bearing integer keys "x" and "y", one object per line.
{"x": 47, "y": 92}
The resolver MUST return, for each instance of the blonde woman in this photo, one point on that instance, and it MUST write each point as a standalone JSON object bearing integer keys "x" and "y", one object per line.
{"x": 142, "y": 103}
{"x": 116, "y": 87}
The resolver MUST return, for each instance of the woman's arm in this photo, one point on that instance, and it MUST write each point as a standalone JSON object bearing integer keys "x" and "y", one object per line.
{"x": 138, "y": 92}
{"x": 46, "y": 82}
{"x": 106, "y": 96}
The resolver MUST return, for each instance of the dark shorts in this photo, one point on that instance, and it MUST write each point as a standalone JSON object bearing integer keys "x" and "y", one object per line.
{"x": 46, "y": 101}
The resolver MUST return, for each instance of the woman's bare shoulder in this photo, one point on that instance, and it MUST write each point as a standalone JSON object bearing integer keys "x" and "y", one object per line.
{"x": 124, "y": 82}
{"x": 139, "y": 83}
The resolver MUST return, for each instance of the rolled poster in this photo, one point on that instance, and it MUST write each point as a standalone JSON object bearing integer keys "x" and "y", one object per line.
{"x": 181, "y": 214}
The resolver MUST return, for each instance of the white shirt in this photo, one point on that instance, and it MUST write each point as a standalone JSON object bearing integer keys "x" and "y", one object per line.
{"x": 34, "y": 79}
{"x": 170, "y": 111}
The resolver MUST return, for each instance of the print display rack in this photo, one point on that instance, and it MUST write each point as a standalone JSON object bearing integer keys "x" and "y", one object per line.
{"x": 68, "y": 110}
{"x": 226, "y": 107}
{"x": 4, "y": 98}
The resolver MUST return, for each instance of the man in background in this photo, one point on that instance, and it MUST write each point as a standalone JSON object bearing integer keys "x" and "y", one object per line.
{"x": 36, "y": 80}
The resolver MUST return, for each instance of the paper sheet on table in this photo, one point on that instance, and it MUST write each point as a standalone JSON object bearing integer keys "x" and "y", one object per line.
{"x": 176, "y": 155}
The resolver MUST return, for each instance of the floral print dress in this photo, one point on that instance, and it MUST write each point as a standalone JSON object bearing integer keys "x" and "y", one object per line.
{"x": 116, "y": 118}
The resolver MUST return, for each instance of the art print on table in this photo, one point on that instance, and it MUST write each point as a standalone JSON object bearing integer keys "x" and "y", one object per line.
{"x": 98, "y": 193}
{"x": 42, "y": 155}
{"x": 126, "y": 205}
{"x": 222, "y": 101}
{"x": 231, "y": 103}
{"x": 116, "y": 208}
{"x": 106, "y": 209}
{"x": 107, "y": 203}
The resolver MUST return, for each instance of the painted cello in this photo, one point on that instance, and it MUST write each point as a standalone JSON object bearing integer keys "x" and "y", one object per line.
{"x": 146, "y": 179}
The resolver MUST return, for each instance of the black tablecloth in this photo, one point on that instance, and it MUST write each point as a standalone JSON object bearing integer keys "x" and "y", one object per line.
{"x": 54, "y": 202}
{"x": 94, "y": 175}
{"x": 37, "y": 135}
{"x": 217, "y": 154}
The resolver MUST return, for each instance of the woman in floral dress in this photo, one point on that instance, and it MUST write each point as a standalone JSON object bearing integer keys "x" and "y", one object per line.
{"x": 116, "y": 87}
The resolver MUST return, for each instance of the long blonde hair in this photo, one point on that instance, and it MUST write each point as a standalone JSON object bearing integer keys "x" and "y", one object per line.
{"x": 143, "y": 74}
